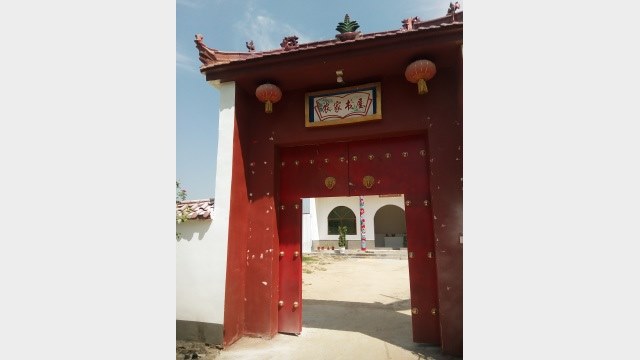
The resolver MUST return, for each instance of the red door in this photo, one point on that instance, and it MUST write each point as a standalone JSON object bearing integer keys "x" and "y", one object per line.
{"x": 401, "y": 166}
{"x": 372, "y": 167}
{"x": 307, "y": 171}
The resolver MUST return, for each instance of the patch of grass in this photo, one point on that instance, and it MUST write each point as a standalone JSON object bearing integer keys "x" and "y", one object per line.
{"x": 308, "y": 259}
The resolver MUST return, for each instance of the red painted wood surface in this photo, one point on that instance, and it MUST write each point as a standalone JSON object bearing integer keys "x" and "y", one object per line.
{"x": 401, "y": 166}
{"x": 290, "y": 274}
{"x": 234, "y": 315}
{"x": 264, "y": 137}
{"x": 398, "y": 165}
{"x": 446, "y": 165}
{"x": 303, "y": 171}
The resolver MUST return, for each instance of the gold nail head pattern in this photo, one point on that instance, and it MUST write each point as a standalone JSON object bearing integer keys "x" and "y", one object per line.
{"x": 368, "y": 181}
{"x": 330, "y": 182}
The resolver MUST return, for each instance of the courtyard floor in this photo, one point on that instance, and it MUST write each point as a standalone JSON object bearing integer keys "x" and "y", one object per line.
{"x": 353, "y": 308}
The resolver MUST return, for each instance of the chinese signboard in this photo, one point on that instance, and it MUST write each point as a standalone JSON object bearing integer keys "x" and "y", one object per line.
{"x": 343, "y": 106}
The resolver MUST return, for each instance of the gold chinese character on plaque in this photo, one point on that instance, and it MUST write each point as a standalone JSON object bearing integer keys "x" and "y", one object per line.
{"x": 330, "y": 182}
{"x": 368, "y": 181}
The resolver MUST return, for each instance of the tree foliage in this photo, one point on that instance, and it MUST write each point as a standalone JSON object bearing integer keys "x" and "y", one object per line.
{"x": 181, "y": 215}
{"x": 342, "y": 238}
{"x": 181, "y": 194}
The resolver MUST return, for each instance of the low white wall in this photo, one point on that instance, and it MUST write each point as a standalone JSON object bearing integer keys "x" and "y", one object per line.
{"x": 198, "y": 280}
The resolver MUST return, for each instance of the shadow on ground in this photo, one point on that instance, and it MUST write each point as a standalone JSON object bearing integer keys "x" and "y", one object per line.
{"x": 381, "y": 321}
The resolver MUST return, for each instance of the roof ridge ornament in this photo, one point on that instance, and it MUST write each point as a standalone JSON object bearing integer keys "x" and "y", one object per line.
{"x": 452, "y": 10}
{"x": 289, "y": 42}
{"x": 407, "y": 24}
{"x": 209, "y": 56}
{"x": 250, "y": 46}
{"x": 206, "y": 55}
{"x": 347, "y": 29}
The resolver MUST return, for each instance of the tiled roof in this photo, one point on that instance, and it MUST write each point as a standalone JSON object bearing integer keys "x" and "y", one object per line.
{"x": 199, "y": 209}
{"x": 211, "y": 57}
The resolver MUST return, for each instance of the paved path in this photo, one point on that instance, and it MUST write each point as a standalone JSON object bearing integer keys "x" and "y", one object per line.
{"x": 352, "y": 309}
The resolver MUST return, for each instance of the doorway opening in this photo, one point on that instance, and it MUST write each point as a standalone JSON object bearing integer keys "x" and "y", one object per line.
{"x": 384, "y": 221}
{"x": 390, "y": 227}
{"x": 363, "y": 293}
{"x": 357, "y": 171}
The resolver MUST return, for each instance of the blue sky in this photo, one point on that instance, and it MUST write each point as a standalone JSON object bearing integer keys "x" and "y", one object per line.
{"x": 226, "y": 25}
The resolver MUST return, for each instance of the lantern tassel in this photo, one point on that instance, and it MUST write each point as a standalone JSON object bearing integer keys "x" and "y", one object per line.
{"x": 422, "y": 87}
{"x": 268, "y": 107}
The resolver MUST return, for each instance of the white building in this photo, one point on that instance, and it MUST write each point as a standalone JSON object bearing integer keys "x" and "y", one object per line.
{"x": 383, "y": 219}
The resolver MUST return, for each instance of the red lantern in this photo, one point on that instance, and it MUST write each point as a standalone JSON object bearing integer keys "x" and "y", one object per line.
{"x": 419, "y": 72}
{"x": 268, "y": 94}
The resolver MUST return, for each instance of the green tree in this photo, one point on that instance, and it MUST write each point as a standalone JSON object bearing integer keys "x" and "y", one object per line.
{"x": 181, "y": 194}
{"x": 342, "y": 238}
{"x": 181, "y": 215}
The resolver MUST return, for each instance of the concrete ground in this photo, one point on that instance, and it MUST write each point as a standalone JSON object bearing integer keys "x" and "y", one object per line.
{"x": 353, "y": 308}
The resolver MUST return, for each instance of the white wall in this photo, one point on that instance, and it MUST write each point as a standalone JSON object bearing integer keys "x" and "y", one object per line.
{"x": 306, "y": 233}
{"x": 372, "y": 203}
{"x": 309, "y": 227}
{"x": 201, "y": 260}
{"x": 196, "y": 277}
{"x": 324, "y": 207}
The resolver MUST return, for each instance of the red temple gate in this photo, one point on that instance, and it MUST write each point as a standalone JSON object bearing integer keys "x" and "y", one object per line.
{"x": 370, "y": 167}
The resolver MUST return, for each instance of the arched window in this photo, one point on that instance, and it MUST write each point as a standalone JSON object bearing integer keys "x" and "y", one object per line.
{"x": 342, "y": 216}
